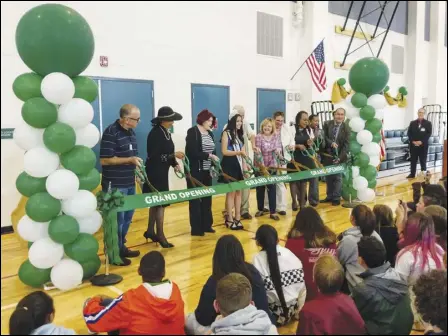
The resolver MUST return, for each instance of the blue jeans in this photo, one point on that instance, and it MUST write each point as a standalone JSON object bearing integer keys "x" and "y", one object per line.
{"x": 124, "y": 218}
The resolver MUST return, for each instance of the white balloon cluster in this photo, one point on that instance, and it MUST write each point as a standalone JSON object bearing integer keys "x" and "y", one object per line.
{"x": 364, "y": 138}
{"x": 62, "y": 184}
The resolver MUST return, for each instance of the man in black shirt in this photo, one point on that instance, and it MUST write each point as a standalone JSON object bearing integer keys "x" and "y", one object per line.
{"x": 419, "y": 132}
{"x": 119, "y": 158}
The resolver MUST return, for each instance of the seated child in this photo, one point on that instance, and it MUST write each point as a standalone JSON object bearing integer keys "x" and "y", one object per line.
{"x": 154, "y": 308}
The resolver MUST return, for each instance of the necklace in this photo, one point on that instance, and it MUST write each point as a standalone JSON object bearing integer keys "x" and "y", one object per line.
{"x": 166, "y": 133}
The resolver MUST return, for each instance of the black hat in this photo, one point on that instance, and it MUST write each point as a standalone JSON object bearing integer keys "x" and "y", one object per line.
{"x": 166, "y": 113}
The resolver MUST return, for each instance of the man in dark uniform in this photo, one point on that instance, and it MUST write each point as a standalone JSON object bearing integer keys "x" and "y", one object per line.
{"x": 337, "y": 135}
{"x": 419, "y": 132}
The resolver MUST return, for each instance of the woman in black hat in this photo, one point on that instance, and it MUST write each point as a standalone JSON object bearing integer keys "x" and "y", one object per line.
{"x": 161, "y": 156}
{"x": 201, "y": 150}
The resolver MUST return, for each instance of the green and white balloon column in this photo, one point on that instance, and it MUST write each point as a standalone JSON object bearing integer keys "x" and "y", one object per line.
{"x": 365, "y": 111}
{"x": 57, "y": 44}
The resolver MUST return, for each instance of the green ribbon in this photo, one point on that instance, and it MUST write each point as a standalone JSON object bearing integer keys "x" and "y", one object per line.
{"x": 177, "y": 196}
{"x": 108, "y": 204}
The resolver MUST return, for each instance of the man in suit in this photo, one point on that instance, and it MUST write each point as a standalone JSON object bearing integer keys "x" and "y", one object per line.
{"x": 337, "y": 134}
{"x": 419, "y": 132}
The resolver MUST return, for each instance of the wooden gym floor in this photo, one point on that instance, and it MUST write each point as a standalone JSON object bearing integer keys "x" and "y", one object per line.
{"x": 188, "y": 264}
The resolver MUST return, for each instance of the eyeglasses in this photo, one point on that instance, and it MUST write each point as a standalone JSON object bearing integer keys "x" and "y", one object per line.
{"x": 133, "y": 119}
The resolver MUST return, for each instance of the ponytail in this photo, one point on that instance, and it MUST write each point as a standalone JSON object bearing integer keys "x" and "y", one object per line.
{"x": 267, "y": 238}
{"x": 32, "y": 312}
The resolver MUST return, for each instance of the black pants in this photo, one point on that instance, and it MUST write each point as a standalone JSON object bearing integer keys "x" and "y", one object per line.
{"x": 201, "y": 218}
{"x": 271, "y": 197}
{"x": 418, "y": 153}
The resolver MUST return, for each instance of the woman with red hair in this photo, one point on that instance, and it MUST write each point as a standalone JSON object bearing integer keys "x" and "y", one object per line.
{"x": 201, "y": 150}
{"x": 420, "y": 252}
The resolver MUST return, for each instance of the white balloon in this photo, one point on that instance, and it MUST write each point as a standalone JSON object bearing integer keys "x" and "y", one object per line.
{"x": 32, "y": 231}
{"x": 62, "y": 184}
{"x": 57, "y": 88}
{"x": 40, "y": 162}
{"x": 366, "y": 195}
{"x": 90, "y": 224}
{"x": 357, "y": 124}
{"x": 371, "y": 149}
{"x": 379, "y": 114}
{"x": 375, "y": 161}
{"x": 355, "y": 171}
{"x": 77, "y": 113}
{"x": 88, "y": 136}
{"x": 82, "y": 204}
{"x": 45, "y": 253}
{"x": 377, "y": 101}
{"x": 66, "y": 274}
{"x": 352, "y": 112}
{"x": 364, "y": 137}
{"x": 360, "y": 183}
{"x": 27, "y": 137}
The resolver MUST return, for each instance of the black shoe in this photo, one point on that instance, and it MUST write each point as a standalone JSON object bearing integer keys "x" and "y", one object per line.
{"x": 314, "y": 204}
{"x": 274, "y": 217}
{"x": 151, "y": 236}
{"x": 198, "y": 234}
{"x": 238, "y": 224}
{"x": 246, "y": 216}
{"x": 124, "y": 262}
{"x": 327, "y": 200}
{"x": 336, "y": 203}
{"x": 165, "y": 244}
{"x": 259, "y": 213}
{"x": 410, "y": 176}
{"x": 265, "y": 210}
{"x": 211, "y": 230}
{"x": 127, "y": 253}
{"x": 295, "y": 208}
{"x": 282, "y": 213}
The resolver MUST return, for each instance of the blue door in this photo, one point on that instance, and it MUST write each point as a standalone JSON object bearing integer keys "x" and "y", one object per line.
{"x": 268, "y": 102}
{"x": 117, "y": 92}
{"x": 216, "y": 99}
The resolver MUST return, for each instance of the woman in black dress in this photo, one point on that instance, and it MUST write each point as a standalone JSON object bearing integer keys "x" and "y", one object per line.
{"x": 304, "y": 140}
{"x": 200, "y": 150}
{"x": 161, "y": 157}
{"x": 233, "y": 165}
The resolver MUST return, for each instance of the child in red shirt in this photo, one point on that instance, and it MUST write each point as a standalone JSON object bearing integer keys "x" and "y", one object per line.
{"x": 331, "y": 313}
{"x": 154, "y": 308}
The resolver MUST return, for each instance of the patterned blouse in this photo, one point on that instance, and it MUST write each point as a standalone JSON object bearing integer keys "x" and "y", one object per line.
{"x": 268, "y": 147}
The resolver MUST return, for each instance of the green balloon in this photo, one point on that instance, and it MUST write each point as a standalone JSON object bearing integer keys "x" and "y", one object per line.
{"x": 341, "y": 81}
{"x": 377, "y": 137}
{"x": 372, "y": 183}
{"x": 39, "y": 113}
{"x": 362, "y": 160}
{"x": 369, "y": 76}
{"x": 80, "y": 160}
{"x": 59, "y": 137}
{"x": 355, "y": 147}
{"x": 42, "y": 207}
{"x": 402, "y": 90}
{"x": 30, "y": 244}
{"x": 369, "y": 172}
{"x": 353, "y": 136}
{"x": 28, "y": 185}
{"x": 33, "y": 276}
{"x": 359, "y": 100}
{"x": 374, "y": 125}
{"x": 85, "y": 88}
{"x": 367, "y": 112}
{"x": 83, "y": 249}
{"x": 348, "y": 191}
{"x": 386, "y": 89}
{"x": 63, "y": 229}
{"x": 90, "y": 181}
{"x": 91, "y": 267}
{"x": 55, "y": 38}
{"x": 27, "y": 86}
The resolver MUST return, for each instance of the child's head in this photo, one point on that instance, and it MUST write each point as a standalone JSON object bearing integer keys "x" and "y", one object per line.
{"x": 364, "y": 218}
{"x": 328, "y": 275}
{"x": 233, "y": 292}
{"x": 384, "y": 215}
{"x": 152, "y": 267}
{"x": 372, "y": 253}
{"x": 32, "y": 312}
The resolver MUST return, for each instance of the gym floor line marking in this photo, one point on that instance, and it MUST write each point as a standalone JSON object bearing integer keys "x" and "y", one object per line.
{"x": 12, "y": 305}
{"x": 115, "y": 290}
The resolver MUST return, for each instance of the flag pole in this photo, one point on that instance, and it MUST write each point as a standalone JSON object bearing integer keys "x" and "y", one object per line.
{"x": 305, "y": 61}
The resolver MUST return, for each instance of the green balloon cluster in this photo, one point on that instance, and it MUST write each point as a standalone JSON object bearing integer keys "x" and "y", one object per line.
{"x": 369, "y": 76}
{"x": 367, "y": 113}
{"x": 55, "y": 38}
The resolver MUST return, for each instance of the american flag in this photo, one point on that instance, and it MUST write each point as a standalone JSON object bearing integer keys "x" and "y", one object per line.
{"x": 316, "y": 65}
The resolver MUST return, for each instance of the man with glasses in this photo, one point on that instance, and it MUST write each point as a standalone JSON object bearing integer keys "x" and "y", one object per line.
{"x": 119, "y": 158}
